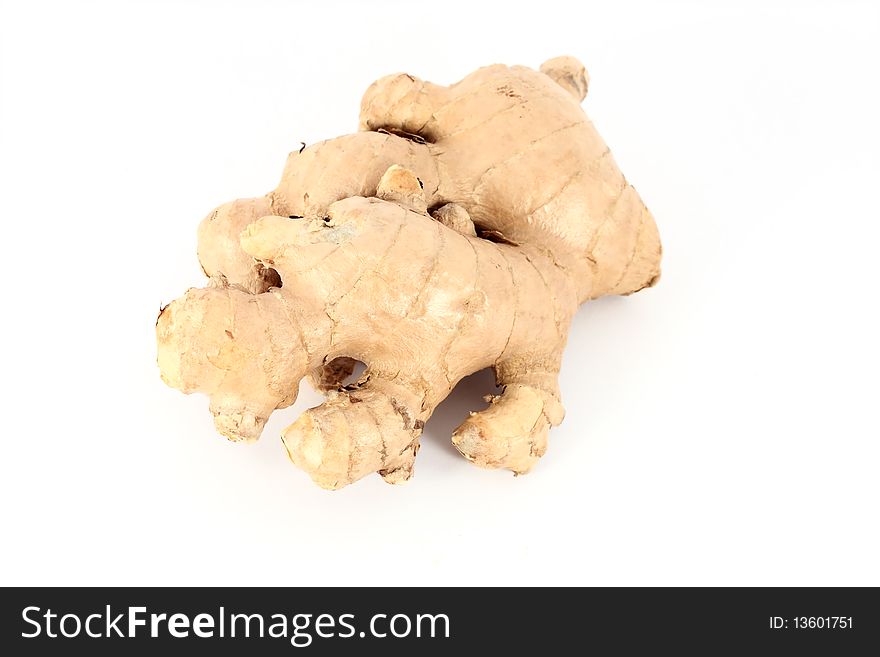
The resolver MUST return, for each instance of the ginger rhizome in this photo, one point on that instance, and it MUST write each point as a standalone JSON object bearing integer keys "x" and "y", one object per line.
{"x": 459, "y": 229}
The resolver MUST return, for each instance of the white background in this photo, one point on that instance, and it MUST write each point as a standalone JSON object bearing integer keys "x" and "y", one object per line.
{"x": 722, "y": 428}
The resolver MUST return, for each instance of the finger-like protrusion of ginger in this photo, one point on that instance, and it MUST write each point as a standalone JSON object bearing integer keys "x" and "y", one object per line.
{"x": 237, "y": 422}
{"x": 354, "y": 434}
{"x": 511, "y": 433}
{"x": 453, "y": 216}
{"x": 400, "y": 185}
{"x": 288, "y": 243}
{"x": 219, "y": 252}
{"x": 402, "y": 102}
{"x": 569, "y": 74}
{"x": 240, "y": 349}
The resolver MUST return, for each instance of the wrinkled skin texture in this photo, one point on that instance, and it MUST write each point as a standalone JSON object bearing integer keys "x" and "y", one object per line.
{"x": 459, "y": 230}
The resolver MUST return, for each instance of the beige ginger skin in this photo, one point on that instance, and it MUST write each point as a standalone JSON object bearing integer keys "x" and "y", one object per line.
{"x": 459, "y": 229}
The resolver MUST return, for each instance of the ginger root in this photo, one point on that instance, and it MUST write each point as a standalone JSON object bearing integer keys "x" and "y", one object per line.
{"x": 459, "y": 230}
